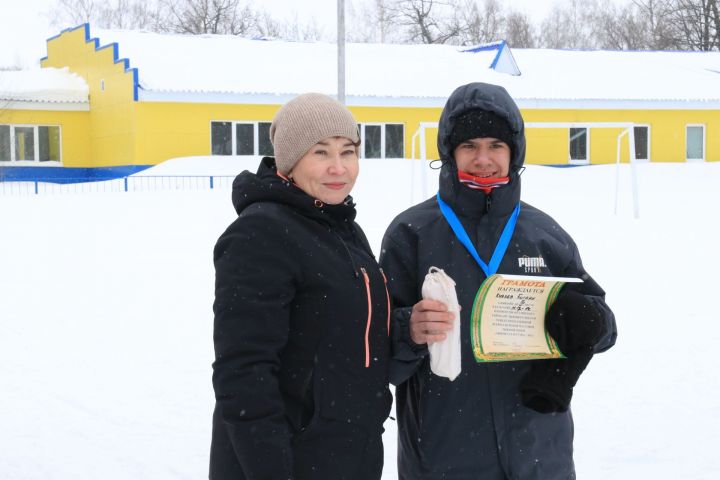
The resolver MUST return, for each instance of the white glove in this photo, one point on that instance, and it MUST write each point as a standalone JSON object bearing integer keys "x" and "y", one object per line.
{"x": 445, "y": 356}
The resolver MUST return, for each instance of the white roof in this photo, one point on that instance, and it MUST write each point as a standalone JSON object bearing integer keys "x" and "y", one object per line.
{"x": 233, "y": 65}
{"x": 232, "y": 69}
{"x": 53, "y": 85}
{"x": 615, "y": 75}
{"x": 230, "y": 64}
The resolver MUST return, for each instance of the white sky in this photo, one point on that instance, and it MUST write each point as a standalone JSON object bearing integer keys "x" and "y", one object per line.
{"x": 25, "y": 24}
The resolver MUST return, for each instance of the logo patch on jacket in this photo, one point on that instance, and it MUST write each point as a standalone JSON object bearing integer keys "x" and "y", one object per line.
{"x": 531, "y": 264}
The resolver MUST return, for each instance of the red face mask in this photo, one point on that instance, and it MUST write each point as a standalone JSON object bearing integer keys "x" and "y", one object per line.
{"x": 486, "y": 184}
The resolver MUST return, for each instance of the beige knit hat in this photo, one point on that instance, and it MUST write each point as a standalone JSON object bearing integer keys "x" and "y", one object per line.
{"x": 304, "y": 121}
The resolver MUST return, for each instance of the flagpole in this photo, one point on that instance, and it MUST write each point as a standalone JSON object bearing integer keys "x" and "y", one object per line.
{"x": 341, "y": 50}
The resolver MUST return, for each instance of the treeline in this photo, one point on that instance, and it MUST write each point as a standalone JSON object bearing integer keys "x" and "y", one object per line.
{"x": 586, "y": 24}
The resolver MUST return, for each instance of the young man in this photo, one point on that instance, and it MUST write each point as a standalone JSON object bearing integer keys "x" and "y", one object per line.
{"x": 496, "y": 421}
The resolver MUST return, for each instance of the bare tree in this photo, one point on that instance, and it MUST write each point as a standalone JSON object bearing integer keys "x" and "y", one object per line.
{"x": 619, "y": 29}
{"x": 308, "y": 32}
{"x": 128, "y": 14}
{"x": 267, "y": 26}
{"x": 643, "y": 24}
{"x": 653, "y": 15}
{"x": 228, "y": 17}
{"x": 479, "y": 23}
{"x": 694, "y": 24}
{"x": 371, "y": 22}
{"x": 206, "y": 16}
{"x": 425, "y": 21}
{"x": 715, "y": 13}
{"x": 519, "y": 31}
{"x": 73, "y": 12}
{"x": 570, "y": 25}
{"x": 383, "y": 20}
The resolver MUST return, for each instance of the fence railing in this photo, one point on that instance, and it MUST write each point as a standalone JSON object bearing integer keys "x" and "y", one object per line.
{"x": 135, "y": 183}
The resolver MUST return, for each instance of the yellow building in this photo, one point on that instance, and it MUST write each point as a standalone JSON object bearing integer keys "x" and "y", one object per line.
{"x": 124, "y": 99}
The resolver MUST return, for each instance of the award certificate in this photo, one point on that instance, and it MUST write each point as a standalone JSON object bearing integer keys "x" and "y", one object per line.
{"x": 508, "y": 318}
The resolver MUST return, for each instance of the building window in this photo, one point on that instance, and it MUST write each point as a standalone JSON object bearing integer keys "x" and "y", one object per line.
{"x": 695, "y": 142}
{"x": 371, "y": 138}
{"x": 642, "y": 142}
{"x": 29, "y": 143}
{"x": 49, "y": 144}
{"x": 579, "y": 145}
{"x": 4, "y": 143}
{"x": 245, "y": 138}
{"x": 240, "y": 138}
{"x": 382, "y": 140}
{"x": 24, "y": 143}
{"x": 395, "y": 141}
{"x": 221, "y": 138}
{"x": 265, "y": 147}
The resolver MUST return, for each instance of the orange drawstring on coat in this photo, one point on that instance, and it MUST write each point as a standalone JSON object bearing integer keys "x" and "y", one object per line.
{"x": 369, "y": 318}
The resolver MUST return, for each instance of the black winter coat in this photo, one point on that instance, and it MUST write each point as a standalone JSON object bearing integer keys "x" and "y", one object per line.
{"x": 301, "y": 339}
{"x": 475, "y": 427}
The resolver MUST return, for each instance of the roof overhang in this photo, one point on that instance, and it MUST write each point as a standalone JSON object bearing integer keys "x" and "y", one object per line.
{"x": 611, "y": 104}
{"x": 14, "y": 104}
{"x": 243, "y": 98}
{"x": 280, "y": 99}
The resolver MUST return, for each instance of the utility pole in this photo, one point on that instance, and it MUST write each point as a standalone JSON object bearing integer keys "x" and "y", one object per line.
{"x": 341, "y": 50}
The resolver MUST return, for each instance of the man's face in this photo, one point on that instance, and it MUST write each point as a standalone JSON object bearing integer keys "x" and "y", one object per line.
{"x": 483, "y": 157}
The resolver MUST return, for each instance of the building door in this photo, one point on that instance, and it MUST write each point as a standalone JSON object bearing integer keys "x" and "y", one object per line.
{"x": 695, "y": 143}
{"x": 579, "y": 146}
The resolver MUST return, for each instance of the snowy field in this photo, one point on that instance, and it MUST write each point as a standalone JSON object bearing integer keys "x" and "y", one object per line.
{"x": 106, "y": 321}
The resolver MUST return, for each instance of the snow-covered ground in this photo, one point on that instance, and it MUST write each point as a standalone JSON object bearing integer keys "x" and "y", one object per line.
{"x": 106, "y": 321}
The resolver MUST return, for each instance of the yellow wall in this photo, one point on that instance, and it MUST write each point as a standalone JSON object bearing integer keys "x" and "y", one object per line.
{"x": 74, "y": 127}
{"x": 112, "y": 113}
{"x": 167, "y": 130}
{"x": 667, "y": 134}
{"x": 411, "y": 118}
{"x": 551, "y": 146}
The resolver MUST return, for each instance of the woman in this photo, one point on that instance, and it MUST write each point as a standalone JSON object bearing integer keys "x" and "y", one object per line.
{"x": 301, "y": 312}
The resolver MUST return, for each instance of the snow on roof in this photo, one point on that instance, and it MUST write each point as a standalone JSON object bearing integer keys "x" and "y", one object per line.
{"x": 229, "y": 64}
{"x": 615, "y": 75}
{"x": 222, "y": 64}
{"x": 219, "y": 63}
{"x": 55, "y": 85}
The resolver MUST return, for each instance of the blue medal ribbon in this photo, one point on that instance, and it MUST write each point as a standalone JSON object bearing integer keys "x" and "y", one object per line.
{"x": 462, "y": 235}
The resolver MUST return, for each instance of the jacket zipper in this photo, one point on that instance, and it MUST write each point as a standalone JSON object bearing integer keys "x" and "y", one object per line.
{"x": 347, "y": 250}
{"x": 387, "y": 295}
{"x": 369, "y": 318}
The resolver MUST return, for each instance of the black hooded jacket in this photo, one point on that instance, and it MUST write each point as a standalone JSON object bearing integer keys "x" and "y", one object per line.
{"x": 475, "y": 426}
{"x": 301, "y": 334}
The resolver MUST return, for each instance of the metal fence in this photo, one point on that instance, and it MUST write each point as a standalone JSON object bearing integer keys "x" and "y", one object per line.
{"x": 138, "y": 183}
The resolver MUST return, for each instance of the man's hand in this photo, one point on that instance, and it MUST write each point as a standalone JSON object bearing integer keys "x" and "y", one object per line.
{"x": 574, "y": 321}
{"x": 429, "y": 322}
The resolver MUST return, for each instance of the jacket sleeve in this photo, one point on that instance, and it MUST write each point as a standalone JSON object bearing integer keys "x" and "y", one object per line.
{"x": 596, "y": 294}
{"x": 397, "y": 260}
{"x": 254, "y": 287}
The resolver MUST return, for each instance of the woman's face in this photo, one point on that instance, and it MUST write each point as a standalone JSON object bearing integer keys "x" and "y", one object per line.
{"x": 328, "y": 170}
